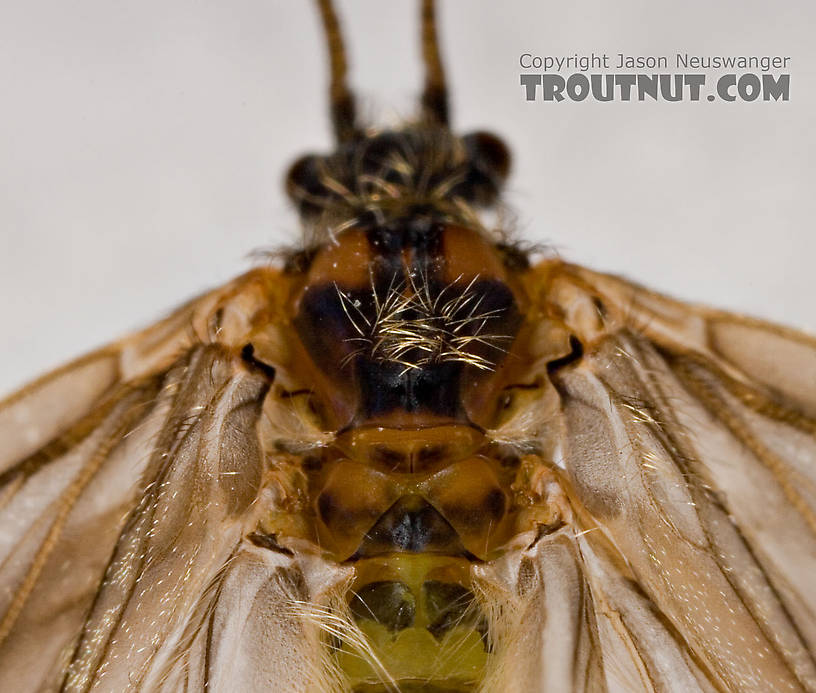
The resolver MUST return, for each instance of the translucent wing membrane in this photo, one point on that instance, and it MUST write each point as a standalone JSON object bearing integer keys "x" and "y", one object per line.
{"x": 203, "y": 474}
{"x": 652, "y": 495}
{"x": 131, "y": 519}
{"x": 65, "y": 395}
{"x": 689, "y": 462}
{"x": 126, "y": 496}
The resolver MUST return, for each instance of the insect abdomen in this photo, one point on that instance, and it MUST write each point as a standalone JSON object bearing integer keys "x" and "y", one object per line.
{"x": 421, "y": 618}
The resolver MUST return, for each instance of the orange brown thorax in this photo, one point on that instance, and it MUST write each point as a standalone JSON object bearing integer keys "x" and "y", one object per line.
{"x": 409, "y": 336}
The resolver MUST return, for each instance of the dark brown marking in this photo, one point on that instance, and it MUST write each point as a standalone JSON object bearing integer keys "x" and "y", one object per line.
{"x": 269, "y": 541}
{"x": 248, "y": 356}
{"x": 576, "y": 353}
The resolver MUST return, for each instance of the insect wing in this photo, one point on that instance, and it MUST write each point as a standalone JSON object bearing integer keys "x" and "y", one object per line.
{"x": 688, "y": 460}
{"x": 128, "y": 486}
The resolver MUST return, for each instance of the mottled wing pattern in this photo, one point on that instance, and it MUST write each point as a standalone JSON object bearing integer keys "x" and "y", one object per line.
{"x": 686, "y": 559}
{"x": 127, "y": 487}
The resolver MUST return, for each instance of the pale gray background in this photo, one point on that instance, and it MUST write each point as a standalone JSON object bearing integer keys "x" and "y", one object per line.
{"x": 142, "y": 146}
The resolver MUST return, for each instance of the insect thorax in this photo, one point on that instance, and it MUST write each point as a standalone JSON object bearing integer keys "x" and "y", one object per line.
{"x": 408, "y": 334}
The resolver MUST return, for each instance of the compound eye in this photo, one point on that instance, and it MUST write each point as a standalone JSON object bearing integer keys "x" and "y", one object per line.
{"x": 304, "y": 183}
{"x": 488, "y": 154}
{"x": 486, "y": 167}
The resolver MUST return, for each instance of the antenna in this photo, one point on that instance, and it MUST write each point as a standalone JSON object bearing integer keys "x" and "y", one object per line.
{"x": 435, "y": 93}
{"x": 343, "y": 109}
